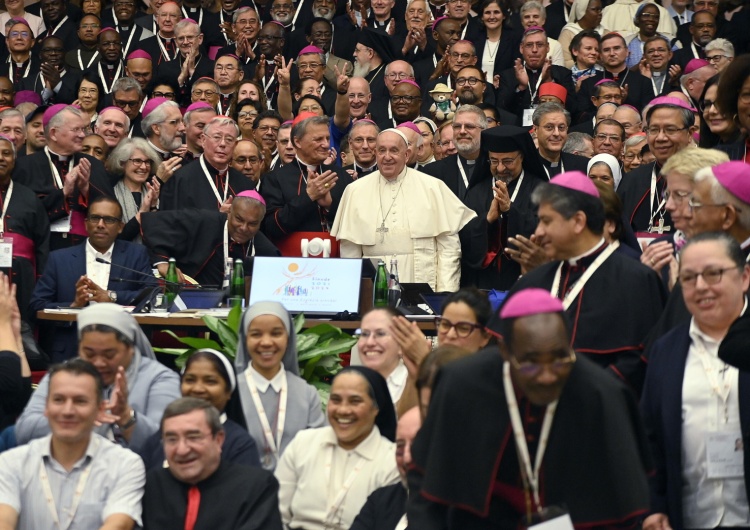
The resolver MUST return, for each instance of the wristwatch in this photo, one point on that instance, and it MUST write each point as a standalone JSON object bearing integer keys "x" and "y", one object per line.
{"x": 132, "y": 421}
{"x": 112, "y": 296}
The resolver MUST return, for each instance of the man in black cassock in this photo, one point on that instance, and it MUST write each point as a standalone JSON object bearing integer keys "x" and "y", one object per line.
{"x": 195, "y": 238}
{"x": 468, "y": 472}
{"x": 210, "y": 182}
{"x": 198, "y": 491}
{"x": 457, "y": 170}
{"x": 501, "y": 197}
{"x": 303, "y": 196}
{"x": 54, "y": 81}
{"x": 24, "y": 222}
{"x": 644, "y": 209}
{"x": 62, "y": 177}
{"x": 611, "y": 299}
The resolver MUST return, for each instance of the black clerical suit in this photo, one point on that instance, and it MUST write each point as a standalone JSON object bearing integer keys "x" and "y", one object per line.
{"x": 288, "y": 206}
{"x": 640, "y": 91}
{"x": 190, "y": 187}
{"x": 234, "y": 496}
{"x": 635, "y": 193}
{"x": 383, "y": 510}
{"x": 448, "y": 171}
{"x": 68, "y": 92}
{"x": 107, "y": 73}
{"x": 511, "y": 100}
{"x": 612, "y": 313}
{"x": 34, "y": 171}
{"x": 195, "y": 238}
{"x": 567, "y": 162}
{"x": 27, "y": 225}
{"x": 17, "y": 74}
{"x": 65, "y": 29}
{"x": 465, "y": 472}
{"x": 204, "y": 67}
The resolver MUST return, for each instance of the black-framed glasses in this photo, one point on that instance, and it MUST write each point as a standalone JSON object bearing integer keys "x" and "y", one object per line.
{"x": 710, "y": 275}
{"x": 167, "y": 95}
{"x": 126, "y": 104}
{"x": 108, "y": 220}
{"x": 463, "y": 329}
{"x": 507, "y": 162}
{"x": 530, "y": 369}
{"x": 706, "y": 104}
{"x": 140, "y": 161}
{"x": 407, "y": 99}
{"x": 471, "y": 81}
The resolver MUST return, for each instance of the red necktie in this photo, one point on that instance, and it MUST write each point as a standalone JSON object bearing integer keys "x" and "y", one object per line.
{"x": 194, "y": 502}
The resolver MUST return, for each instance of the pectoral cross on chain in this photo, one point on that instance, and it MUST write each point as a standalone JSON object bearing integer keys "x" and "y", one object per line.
{"x": 382, "y": 231}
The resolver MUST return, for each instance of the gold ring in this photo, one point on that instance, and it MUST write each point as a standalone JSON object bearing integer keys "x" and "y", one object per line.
{"x": 326, "y": 186}
{"x": 653, "y": 262}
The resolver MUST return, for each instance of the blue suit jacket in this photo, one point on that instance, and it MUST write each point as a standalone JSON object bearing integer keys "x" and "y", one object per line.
{"x": 661, "y": 404}
{"x": 57, "y": 287}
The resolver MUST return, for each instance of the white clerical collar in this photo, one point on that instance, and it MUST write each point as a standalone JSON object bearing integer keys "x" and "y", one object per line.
{"x": 63, "y": 158}
{"x": 311, "y": 167}
{"x": 745, "y": 244}
{"x": 371, "y": 168}
{"x": 92, "y": 251}
{"x": 262, "y": 383}
{"x": 398, "y": 178}
{"x": 573, "y": 261}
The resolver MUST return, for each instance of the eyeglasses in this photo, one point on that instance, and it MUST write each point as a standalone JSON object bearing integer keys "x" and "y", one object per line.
{"x": 266, "y": 128}
{"x": 677, "y": 196}
{"x": 140, "y": 161}
{"x": 366, "y": 334}
{"x": 706, "y": 104}
{"x": 507, "y": 162}
{"x": 108, "y": 220}
{"x": 14, "y": 34}
{"x": 470, "y": 127}
{"x": 125, "y": 104}
{"x": 530, "y": 369}
{"x": 491, "y": 120}
{"x": 711, "y": 276}
{"x": 550, "y": 128}
{"x": 218, "y": 138}
{"x": 309, "y": 66}
{"x": 669, "y": 131}
{"x": 90, "y": 26}
{"x": 471, "y": 81}
{"x": 399, "y": 75}
{"x": 717, "y": 58}
{"x": 242, "y": 160}
{"x": 463, "y": 56}
{"x": 245, "y": 114}
{"x": 187, "y": 38}
{"x": 632, "y": 156}
{"x": 190, "y": 439}
{"x": 696, "y": 205}
{"x": 200, "y": 93}
{"x": 407, "y": 99}
{"x": 246, "y": 22}
{"x": 535, "y": 45}
{"x": 611, "y": 137}
{"x": 225, "y": 68}
{"x": 654, "y": 51}
{"x": 168, "y": 95}
{"x": 463, "y": 329}
{"x": 359, "y": 140}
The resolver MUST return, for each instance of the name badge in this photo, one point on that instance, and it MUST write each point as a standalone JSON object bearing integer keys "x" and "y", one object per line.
{"x": 6, "y": 253}
{"x": 527, "y": 117}
{"x": 61, "y": 225}
{"x": 554, "y": 517}
{"x": 724, "y": 454}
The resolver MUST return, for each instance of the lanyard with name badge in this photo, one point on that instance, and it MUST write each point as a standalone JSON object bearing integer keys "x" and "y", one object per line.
{"x": 211, "y": 182}
{"x": 571, "y": 295}
{"x": 61, "y": 225}
{"x": 76, "y": 496}
{"x": 108, "y": 89}
{"x": 273, "y": 445}
{"x": 335, "y": 506}
{"x": 660, "y": 211}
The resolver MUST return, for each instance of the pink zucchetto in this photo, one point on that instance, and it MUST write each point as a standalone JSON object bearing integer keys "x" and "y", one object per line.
{"x": 151, "y": 105}
{"x": 735, "y": 177}
{"x": 695, "y": 64}
{"x": 576, "y": 180}
{"x": 139, "y": 54}
{"x": 527, "y": 302}
{"x": 410, "y": 125}
{"x": 198, "y": 105}
{"x": 51, "y": 112}
{"x": 252, "y": 194}
{"x": 307, "y": 50}
{"x": 409, "y": 82}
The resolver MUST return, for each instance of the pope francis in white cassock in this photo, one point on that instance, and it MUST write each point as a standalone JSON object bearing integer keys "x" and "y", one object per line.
{"x": 400, "y": 213}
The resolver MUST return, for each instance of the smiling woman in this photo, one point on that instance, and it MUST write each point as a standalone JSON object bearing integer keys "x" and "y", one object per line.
{"x": 274, "y": 402}
{"x": 326, "y": 474}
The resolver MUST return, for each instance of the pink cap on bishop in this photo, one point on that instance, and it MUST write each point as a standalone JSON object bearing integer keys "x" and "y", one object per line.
{"x": 51, "y": 112}
{"x": 695, "y": 64}
{"x": 309, "y": 49}
{"x": 532, "y": 301}
{"x": 409, "y": 82}
{"x": 252, "y": 194}
{"x": 576, "y": 180}
{"x": 735, "y": 177}
{"x": 139, "y": 54}
{"x": 151, "y": 105}
{"x": 410, "y": 125}
{"x": 198, "y": 105}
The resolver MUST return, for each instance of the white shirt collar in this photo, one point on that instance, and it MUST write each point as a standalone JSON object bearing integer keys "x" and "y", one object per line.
{"x": 93, "y": 252}
{"x": 397, "y": 381}
{"x": 262, "y": 383}
{"x": 696, "y": 333}
{"x": 574, "y": 261}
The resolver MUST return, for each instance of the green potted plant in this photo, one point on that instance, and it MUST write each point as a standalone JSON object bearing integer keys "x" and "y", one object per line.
{"x": 318, "y": 348}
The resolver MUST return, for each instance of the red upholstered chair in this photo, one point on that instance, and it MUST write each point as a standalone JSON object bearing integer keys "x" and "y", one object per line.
{"x": 309, "y": 244}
